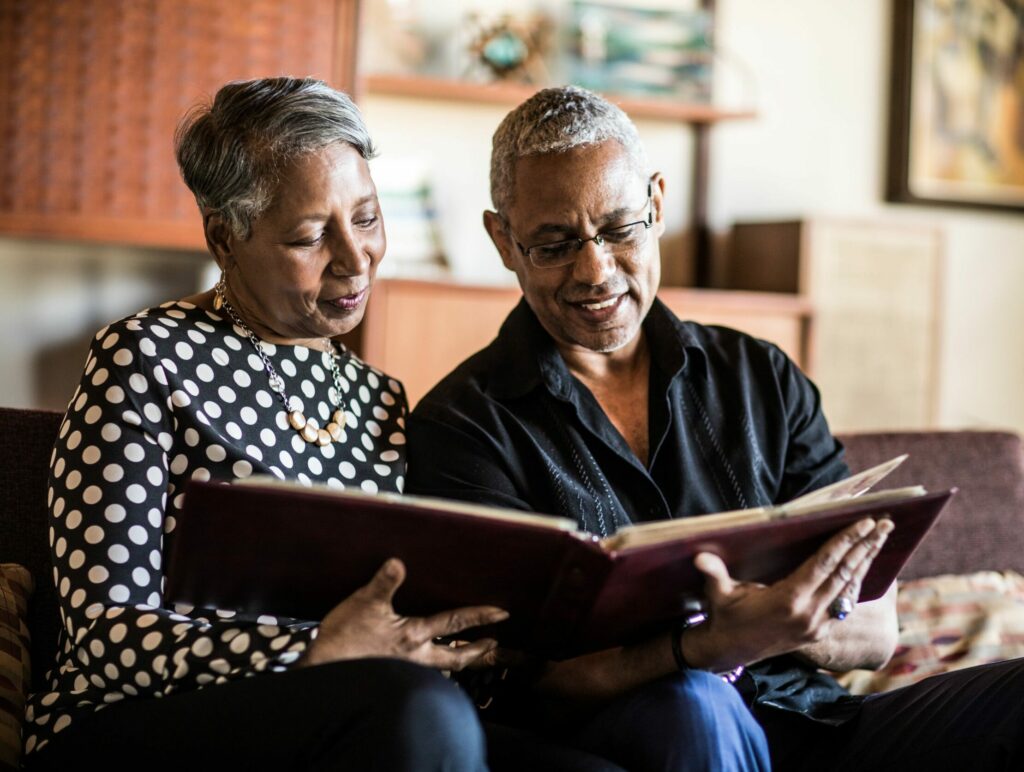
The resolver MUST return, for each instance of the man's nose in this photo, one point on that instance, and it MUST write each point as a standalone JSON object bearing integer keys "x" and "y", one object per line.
{"x": 594, "y": 263}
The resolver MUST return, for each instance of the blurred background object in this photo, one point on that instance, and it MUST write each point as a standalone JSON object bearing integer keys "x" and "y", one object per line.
{"x": 630, "y": 49}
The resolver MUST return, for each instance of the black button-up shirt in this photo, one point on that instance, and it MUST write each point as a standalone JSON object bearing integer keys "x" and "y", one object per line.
{"x": 733, "y": 423}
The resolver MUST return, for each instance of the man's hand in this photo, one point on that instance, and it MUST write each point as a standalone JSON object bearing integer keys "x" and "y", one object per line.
{"x": 751, "y": 622}
{"x": 365, "y": 625}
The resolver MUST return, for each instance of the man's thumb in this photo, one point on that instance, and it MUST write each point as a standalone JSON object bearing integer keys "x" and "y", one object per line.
{"x": 719, "y": 582}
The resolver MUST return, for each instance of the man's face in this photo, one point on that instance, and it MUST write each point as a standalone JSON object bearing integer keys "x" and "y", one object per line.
{"x": 599, "y": 299}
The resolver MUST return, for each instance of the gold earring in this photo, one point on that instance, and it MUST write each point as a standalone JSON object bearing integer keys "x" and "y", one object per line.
{"x": 218, "y": 293}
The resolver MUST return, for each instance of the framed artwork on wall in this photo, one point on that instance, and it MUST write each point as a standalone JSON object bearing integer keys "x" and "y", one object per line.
{"x": 956, "y": 118}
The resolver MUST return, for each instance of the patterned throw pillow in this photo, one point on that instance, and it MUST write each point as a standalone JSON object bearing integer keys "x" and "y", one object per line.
{"x": 15, "y": 589}
{"x": 947, "y": 623}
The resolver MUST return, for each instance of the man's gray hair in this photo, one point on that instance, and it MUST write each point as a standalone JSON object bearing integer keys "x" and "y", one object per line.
{"x": 555, "y": 120}
{"x": 231, "y": 152}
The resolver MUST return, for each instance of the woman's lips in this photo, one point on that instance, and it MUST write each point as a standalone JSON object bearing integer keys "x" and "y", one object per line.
{"x": 348, "y": 302}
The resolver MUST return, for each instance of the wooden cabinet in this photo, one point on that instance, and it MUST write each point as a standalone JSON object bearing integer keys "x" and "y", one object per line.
{"x": 91, "y": 91}
{"x": 419, "y": 331}
{"x": 876, "y": 290}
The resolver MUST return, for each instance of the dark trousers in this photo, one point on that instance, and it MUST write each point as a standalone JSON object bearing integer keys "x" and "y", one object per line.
{"x": 965, "y": 720}
{"x": 371, "y": 714}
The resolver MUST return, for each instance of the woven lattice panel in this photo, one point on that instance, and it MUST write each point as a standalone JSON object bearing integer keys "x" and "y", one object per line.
{"x": 91, "y": 90}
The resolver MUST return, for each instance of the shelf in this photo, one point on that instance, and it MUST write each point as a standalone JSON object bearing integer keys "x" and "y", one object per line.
{"x": 422, "y": 87}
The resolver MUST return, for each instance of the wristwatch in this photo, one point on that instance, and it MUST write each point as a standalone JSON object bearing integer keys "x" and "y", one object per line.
{"x": 680, "y": 627}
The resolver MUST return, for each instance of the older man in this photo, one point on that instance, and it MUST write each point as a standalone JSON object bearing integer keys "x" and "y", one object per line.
{"x": 596, "y": 403}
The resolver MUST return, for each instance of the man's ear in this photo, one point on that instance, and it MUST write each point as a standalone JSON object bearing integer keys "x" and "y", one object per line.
{"x": 220, "y": 239}
{"x": 657, "y": 183}
{"x": 497, "y": 230}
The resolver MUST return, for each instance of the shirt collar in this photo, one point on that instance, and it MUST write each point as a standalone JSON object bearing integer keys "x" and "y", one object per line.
{"x": 526, "y": 355}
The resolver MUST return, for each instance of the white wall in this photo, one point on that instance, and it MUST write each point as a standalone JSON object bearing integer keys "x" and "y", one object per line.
{"x": 818, "y": 147}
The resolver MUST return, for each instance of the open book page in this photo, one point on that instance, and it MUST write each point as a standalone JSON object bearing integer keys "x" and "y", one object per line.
{"x": 854, "y": 485}
{"x": 422, "y": 502}
{"x": 820, "y": 500}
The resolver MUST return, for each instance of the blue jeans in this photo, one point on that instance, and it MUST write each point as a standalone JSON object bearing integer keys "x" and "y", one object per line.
{"x": 687, "y": 722}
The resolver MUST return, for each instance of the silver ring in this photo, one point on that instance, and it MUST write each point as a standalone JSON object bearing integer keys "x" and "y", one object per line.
{"x": 840, "y": 608}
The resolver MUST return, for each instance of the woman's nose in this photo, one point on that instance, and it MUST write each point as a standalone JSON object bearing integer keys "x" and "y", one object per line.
{"x": 348, "y": 256}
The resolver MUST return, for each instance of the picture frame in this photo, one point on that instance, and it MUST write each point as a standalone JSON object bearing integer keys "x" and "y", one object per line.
{"x": 956, "y": 119}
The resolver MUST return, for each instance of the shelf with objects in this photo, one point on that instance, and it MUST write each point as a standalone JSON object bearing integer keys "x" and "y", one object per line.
{"x": 511, "y": 94}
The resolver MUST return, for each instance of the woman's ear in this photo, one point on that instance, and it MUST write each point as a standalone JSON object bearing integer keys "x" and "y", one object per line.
{"x": 220, "y": 239}
{"x": 497, "y": 229}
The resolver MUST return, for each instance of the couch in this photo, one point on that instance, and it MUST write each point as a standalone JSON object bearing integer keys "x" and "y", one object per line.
{"x": 981, "y": 528}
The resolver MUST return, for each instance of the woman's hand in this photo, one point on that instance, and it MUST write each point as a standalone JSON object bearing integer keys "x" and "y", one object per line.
{"x": 365, "y": 625}
{"x": 750, "y": 622}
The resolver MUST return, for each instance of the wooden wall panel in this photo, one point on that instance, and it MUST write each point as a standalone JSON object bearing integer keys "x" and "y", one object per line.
{"x": 91, "y": 90}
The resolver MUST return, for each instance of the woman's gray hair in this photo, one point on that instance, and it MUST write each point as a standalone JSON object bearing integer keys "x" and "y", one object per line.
{"x": 231, "y": 151}
{"x": 555, "y": 120}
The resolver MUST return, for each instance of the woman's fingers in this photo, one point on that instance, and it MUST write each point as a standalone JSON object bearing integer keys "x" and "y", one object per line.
{"x": 382, "y": 587}
{"x": 457, "y": 620}
{"x": 459, "y": 657}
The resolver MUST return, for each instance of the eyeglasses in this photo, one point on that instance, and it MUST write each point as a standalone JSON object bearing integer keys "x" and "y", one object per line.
{"x": 620, "y": 241}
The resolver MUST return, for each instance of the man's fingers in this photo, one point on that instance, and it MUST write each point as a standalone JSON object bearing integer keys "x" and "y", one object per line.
{"x": 457, "y": 620}
{"x": 849, "y": 574}
{"x": 382, "y": 587}
{"x": 823, "y": 564}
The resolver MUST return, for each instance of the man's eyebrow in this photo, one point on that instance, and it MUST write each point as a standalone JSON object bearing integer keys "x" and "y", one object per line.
{"x": 562, "y": 229}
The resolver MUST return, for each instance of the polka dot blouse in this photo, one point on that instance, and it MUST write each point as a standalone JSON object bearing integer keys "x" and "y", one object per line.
{"x": 170, "y": 394}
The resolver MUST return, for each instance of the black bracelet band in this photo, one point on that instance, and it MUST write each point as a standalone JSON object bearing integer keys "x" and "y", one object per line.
{"x": 678, "y": 629}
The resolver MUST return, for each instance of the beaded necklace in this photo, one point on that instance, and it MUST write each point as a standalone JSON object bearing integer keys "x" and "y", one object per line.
{"x": 307, "y": 428}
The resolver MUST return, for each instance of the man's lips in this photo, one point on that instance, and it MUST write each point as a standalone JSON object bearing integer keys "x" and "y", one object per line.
{"x": 598, "y": 304}
{"x": 348, "y": 302}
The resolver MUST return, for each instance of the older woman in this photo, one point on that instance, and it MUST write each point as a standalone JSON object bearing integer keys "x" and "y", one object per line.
{"x": 244, "y": 379}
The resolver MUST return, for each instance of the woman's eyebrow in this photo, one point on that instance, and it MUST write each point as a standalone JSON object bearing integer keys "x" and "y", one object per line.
{"x": 324, "y": 216}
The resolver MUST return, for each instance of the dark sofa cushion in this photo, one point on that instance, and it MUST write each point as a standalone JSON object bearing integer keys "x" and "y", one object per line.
{"x": 26, "y": 442}
{"x": 15, "y": 590}
{"x": 982, "y": 527}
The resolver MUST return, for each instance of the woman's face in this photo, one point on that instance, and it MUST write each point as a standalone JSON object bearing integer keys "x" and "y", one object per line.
{"x": 305, "y": 272}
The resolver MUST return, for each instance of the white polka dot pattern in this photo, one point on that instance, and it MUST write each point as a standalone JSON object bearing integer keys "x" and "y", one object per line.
{"x": 168, "y": 395}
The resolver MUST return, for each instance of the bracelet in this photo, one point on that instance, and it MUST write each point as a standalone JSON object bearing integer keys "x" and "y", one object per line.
{"x": 676, "y": 638}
